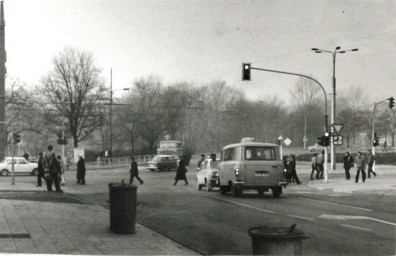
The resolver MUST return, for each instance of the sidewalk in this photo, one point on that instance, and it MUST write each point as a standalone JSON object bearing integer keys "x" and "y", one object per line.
{"x": 384, "y": 183}
{"x": 59, "y": 226}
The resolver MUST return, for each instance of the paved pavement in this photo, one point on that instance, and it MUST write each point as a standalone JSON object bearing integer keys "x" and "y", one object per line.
{"x": 55, "y": 223}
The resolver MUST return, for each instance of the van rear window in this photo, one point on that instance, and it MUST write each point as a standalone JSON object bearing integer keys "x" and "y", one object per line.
{"x": 260, "y": 153}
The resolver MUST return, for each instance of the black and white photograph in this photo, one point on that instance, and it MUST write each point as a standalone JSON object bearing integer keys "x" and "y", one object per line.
{"x": 198, "y": 127}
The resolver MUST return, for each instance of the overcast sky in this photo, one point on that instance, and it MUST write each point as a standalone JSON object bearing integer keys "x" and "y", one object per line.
{"x": 201, "y": 41}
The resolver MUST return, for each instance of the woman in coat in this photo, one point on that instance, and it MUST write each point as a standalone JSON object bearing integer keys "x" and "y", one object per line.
{"x": 348, "y": 163}
{"x": 81, "y": 171}
{"x": 181, "y": 173}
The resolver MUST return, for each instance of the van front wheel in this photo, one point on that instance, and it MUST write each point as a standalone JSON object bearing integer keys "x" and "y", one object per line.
{"x": 236, "y": 191}
{"x": 276, "y": 191}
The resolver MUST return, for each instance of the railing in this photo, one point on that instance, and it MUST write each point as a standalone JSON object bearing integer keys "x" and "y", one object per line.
{"x": 122, "y": 161}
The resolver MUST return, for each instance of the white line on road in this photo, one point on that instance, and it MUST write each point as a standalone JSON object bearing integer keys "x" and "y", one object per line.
{"x": 347, "y": 217}
{"x": 349, "y": 226}
{"x": 245, "y": 205}
{"x": 300, "y": 217}
{"x": 363, "y": 209}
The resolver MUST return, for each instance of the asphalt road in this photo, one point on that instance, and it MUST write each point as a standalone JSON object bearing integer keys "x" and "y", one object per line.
{"x": 210, "y": 223}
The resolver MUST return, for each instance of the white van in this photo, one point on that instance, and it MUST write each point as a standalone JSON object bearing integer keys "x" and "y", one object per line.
{"x": 251, "y": 165}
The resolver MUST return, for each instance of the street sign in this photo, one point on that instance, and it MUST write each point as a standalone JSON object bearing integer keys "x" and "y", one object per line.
{"x": 337, "y": 140}
{"x": 280, "y": 138}
{"x": 338, "y": 128}
{"x": 287, "y": 141}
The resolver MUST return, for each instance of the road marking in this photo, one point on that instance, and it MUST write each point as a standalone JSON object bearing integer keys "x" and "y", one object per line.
{"x": 349, "y": 226}
{"x": 244, "y": 205}
{"x": 300, "y": 217}
{"x": 363, "y": 209}
{"x": 347, "y": 217}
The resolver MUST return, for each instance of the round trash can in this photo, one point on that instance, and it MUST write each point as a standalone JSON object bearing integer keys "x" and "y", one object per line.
{"x": 277, "y": 241}
{"x": 122, "y": 207}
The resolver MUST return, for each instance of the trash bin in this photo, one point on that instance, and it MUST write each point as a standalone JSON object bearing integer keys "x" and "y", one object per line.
{"x": 277, "y": 241}
{"x": 122, "y": 207}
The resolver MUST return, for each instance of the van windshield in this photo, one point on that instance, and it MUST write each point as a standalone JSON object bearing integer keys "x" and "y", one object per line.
{"x": 260, "y": 153}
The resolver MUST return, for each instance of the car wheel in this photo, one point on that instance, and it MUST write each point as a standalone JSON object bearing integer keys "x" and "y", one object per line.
{"x": 260, "y": 192}
{"x": 4, "y": 172}
{"x": 208, "y": 186}
{"x": 35, "y": 172}
{"x": 276, "y": 191}
{"x": 199, "y": 186}
{"x": 236, "y": 191}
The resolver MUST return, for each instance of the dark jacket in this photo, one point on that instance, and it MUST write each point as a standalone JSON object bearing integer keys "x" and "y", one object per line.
{"x": 181, "y": 171}
{"x": 54, "y": 166}
{"x": 81, "y": 168}
{"x": 40, "y": 164}
{"x": 134, "y": 169}
{"x": 348, "y": 161}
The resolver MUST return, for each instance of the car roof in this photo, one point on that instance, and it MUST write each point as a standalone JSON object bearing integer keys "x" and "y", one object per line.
{"x": 164, "y": 155}
{"x": 246, "y": 144}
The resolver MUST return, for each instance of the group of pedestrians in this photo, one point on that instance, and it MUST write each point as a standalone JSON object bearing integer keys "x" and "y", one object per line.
{"x": 361, "y": 163}
{"x": 51, "y": 169}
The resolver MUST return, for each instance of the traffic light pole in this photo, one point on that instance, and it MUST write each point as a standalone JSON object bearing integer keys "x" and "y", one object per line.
{"x": 301, "y": 75}
{"x": 372, "y": 130}
{"x": 12, "y": 156}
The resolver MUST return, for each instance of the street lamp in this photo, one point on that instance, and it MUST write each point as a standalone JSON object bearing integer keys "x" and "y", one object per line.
{"x": 110, "y": 118}
{"x": 333, "y": 103}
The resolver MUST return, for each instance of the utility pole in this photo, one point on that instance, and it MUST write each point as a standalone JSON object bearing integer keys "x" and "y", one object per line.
{"x": 3, "y": 138}
{"x": 110, "y": 117}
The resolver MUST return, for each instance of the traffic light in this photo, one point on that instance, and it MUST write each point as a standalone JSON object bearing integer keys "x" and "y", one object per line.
{"x": 60, "y": 141}
{"x": 245, "y": 71}
{"x": 17, "y": 138}
{"x": 391, "y": 102}
{"x": 320, "y": 140}
{"x": 65, "y": 141}
{"x": 326, "y": 139}
{"x": 376, "y": 140}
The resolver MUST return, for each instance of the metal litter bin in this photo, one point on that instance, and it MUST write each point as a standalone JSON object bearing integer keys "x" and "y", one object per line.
{"x": 122, "y": 207}
{"x": 277, "y": 241}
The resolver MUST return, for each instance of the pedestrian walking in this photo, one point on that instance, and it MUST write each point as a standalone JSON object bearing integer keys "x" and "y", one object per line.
{"x": 40, "y": 168}
{"x": 370, "y": 163}
{"x": 62, "y": 174}
{"x": 81, "y": 171}
{"x": 213, "y": 156}
{"x": 292, "y": 165}
{"x": 46, "y": 164}
{"x": 286, "y": 169}
{"x": 313, "y": 164}
{"x": 319, "y": 165}
{"x": 360, "y": 165}
{"x": 181, "y": 173}
{"x": 134, "y": 171}
{"x": 201, "y": 159}
{"x": 348, "y": 163}
{"x": 55, "y": 171}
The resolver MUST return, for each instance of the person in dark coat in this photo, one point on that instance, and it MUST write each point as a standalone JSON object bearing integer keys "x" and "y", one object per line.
{"x": 181, "y": 173}
{"x": 55, "y": 171}
{"x": 291, "y": 162}
{"x": 134, "y": 172}
{"x": 40, "y": 168}
{"x": 81, "y": 171}
{"x": 370, "y": 164}
{"x": 348, "y": 163}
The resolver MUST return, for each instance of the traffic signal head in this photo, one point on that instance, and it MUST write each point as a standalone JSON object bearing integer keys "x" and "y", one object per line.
{"x": 320, "y": 140}
{"x": 245, "y": 71}
{"x": 17, "y": 138}
{"x": 376, "y": 140}
{"x": 65, "y": 141}
{"x": 326, "y": 139}
{"x": 391, "y": 102}
{"x": 60, "y": 141}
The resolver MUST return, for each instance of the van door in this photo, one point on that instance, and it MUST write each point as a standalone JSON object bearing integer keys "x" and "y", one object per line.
{"x": 226, "y": 166}
{"x": 261, "y": 166}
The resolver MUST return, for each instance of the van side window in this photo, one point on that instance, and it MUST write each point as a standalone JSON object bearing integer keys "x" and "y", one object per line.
{"x": 260, "y": 153}
{"x": 229, "y": 154}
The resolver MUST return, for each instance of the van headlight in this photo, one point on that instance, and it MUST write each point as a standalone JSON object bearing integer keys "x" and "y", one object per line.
{"x": 236, "y": 172}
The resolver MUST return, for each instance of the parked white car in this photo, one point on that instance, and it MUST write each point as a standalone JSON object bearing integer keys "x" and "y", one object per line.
{"x": 21, "y": 165}
{"x": 315, "y": 147}
{"x": 207, "y": 175}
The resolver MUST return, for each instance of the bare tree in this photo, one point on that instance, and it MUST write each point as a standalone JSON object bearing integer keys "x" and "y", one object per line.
{"x": 75, "y": 87}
